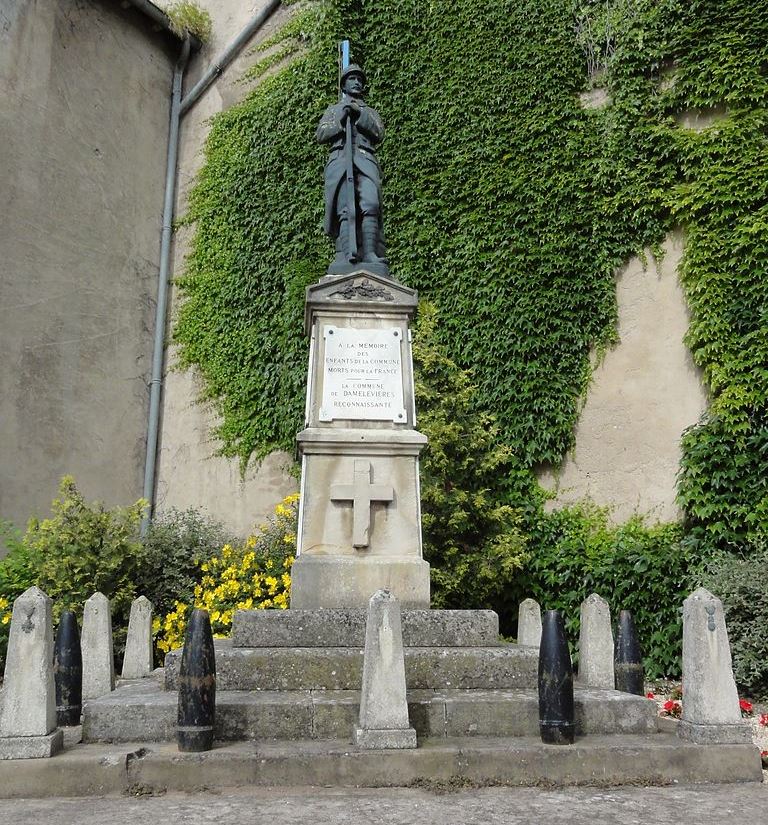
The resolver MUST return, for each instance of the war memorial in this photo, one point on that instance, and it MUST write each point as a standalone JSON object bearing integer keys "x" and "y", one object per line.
{"x": 359, "y": 682}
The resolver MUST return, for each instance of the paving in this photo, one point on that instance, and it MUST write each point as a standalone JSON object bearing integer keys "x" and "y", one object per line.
{"x": 679, "y": 804}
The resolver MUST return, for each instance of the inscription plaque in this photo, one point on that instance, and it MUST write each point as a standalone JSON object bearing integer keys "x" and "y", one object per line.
{"x": 363, "y": 374}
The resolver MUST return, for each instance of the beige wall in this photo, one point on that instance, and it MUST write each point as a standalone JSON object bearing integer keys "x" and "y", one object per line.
{"x": 84, "y": 89}
{"x": 189, "y": 471}
{"x": 643, "y": 395}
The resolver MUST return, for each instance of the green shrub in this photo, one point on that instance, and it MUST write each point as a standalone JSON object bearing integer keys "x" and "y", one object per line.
{"x": 645, "y": 569}
{"x": 175, "y": 545}
{"x": 83, "y": 548}
{"x": 740, "y": 581}
{"x": 471, "y": 534}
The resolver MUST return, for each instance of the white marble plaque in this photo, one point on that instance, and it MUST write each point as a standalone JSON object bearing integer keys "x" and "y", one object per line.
{"x": 363, "y": 374}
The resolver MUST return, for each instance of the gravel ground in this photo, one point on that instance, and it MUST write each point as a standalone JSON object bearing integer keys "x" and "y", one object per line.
{"x": 681, "y": 805}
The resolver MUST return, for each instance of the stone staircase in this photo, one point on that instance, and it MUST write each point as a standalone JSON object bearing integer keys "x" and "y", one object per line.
{"x": 296, "y": 675}
{"x": 288, "y": 694}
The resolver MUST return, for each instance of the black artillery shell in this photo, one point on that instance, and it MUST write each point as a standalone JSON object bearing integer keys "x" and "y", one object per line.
{"x": 68, "y": 671}
{"x": 556, "y": 724}
{"x": 628, "y": 659}
{"x": 197, "y": 686}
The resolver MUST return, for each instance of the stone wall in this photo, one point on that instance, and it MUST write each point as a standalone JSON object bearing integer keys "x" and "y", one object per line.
{"x": 644, "y": 393}
{"x": 84, "y": 107}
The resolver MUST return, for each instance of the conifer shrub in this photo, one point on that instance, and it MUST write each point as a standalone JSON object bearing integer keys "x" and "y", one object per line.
{"x": 471, "y": 533}
{"x": 79, "y": 549}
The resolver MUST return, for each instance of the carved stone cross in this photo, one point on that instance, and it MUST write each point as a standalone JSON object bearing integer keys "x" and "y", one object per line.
{"x": 361, "y": 493}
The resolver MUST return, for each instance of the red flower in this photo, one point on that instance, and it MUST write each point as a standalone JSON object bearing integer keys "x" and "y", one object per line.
{"x": 763, "y": 720}
{"x": 746, "y": 707}
{"x": 763, "y": 753}
{"x": 652, "y": 695}
{"x": 673, "y": 708}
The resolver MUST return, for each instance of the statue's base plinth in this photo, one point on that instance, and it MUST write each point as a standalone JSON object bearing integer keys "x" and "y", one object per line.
{"x": 381, "y": 269}
{"x": 347, "y": 581}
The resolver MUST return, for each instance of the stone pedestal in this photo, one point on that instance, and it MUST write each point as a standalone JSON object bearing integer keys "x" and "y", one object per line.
{"x": 28, "y": 716}
{"x": 596, "y": 644}
{"x": 383, "y": 722}
{"x": 137, "y": 660}
{"x": 96, "y": 646}
{"x": 711, "y": 713}
{"x": 529, "y": 623}
{"x": 359, "y": 517}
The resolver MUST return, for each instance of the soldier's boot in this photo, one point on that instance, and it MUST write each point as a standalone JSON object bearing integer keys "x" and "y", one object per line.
{"x": 370, "y": 231}
{"x": 342, "y": 245}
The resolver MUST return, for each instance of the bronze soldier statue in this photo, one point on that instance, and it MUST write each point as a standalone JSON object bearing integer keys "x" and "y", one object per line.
{"x": 353, "y": 179}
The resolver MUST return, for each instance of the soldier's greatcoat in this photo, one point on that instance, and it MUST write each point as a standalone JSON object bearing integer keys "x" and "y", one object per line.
{"x": 368, "y": 133}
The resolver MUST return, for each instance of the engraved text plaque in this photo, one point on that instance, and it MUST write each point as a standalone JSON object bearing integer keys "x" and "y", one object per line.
{"x": 363, "y": 374}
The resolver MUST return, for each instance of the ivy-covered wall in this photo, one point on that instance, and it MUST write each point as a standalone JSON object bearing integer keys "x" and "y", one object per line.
{"x": 510, "y": 206}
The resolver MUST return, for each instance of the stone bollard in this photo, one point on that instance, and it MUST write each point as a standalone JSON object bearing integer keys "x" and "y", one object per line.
{"x": 711, "y": 712}
{"x": 596, "y": 644}
{"x": 138, "y": 658}
{"x": 556, "y": 712}
{"x": 529, "y": 623}
{"x": 96, "y": 648}
{"x": 630, "y": 674}
{"x": 197, "y": 686}
{"x": 383, "y": 706}
{"x": 68, "y": 671}
{"x": 28, "y": 717}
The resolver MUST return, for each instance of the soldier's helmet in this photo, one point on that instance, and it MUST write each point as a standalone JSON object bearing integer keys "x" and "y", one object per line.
{"x": 353, "y": 68}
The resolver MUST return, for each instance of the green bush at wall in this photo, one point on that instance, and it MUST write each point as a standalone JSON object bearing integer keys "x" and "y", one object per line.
{"x": 634, "y": 566}
{"x": 175, "y": 545}
{"x": 83, "y": 548}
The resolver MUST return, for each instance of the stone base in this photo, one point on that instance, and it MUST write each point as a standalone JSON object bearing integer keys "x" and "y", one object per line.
{"x": 346, "y": 581}
{"x": 346, "y": 628}
{"x": 362, "y": 267}
{"x": 375, "y": 740}
{"x": 724, "y": 734}
{"x": 31, "y": 747}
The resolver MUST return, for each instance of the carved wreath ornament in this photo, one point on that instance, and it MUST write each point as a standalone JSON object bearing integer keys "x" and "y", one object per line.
{"x": 364, "y": 289}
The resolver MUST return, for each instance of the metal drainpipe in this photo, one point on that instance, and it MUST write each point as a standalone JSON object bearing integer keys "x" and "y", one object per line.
{"x": 228, "y": 55}
{"x": 179, "y": 108}
{"x": 156, "y": 382}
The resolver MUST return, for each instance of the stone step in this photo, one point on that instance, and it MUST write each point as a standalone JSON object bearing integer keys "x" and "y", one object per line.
{"x": 346, "y": 628}
{"x": 438, "y": 764}
{"x": 341, "y": 668}
{"x": 141, "y": 711}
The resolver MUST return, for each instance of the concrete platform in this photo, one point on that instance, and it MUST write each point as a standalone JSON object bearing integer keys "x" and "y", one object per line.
{"x": 346, "y": 628}
{"x": 141, "y": 711}
{"x": 655, "y": 759}
{"x": 341, "y": 668}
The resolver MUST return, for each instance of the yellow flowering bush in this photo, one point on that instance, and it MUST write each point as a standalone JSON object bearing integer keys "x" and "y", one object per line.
{"x": 252, "y": 576}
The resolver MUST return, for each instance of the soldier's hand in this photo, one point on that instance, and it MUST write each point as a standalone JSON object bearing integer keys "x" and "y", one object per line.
{"x": 350, "y": 110}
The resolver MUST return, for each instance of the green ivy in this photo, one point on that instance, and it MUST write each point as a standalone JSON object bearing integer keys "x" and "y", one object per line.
{"x": 509, "y": 206}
